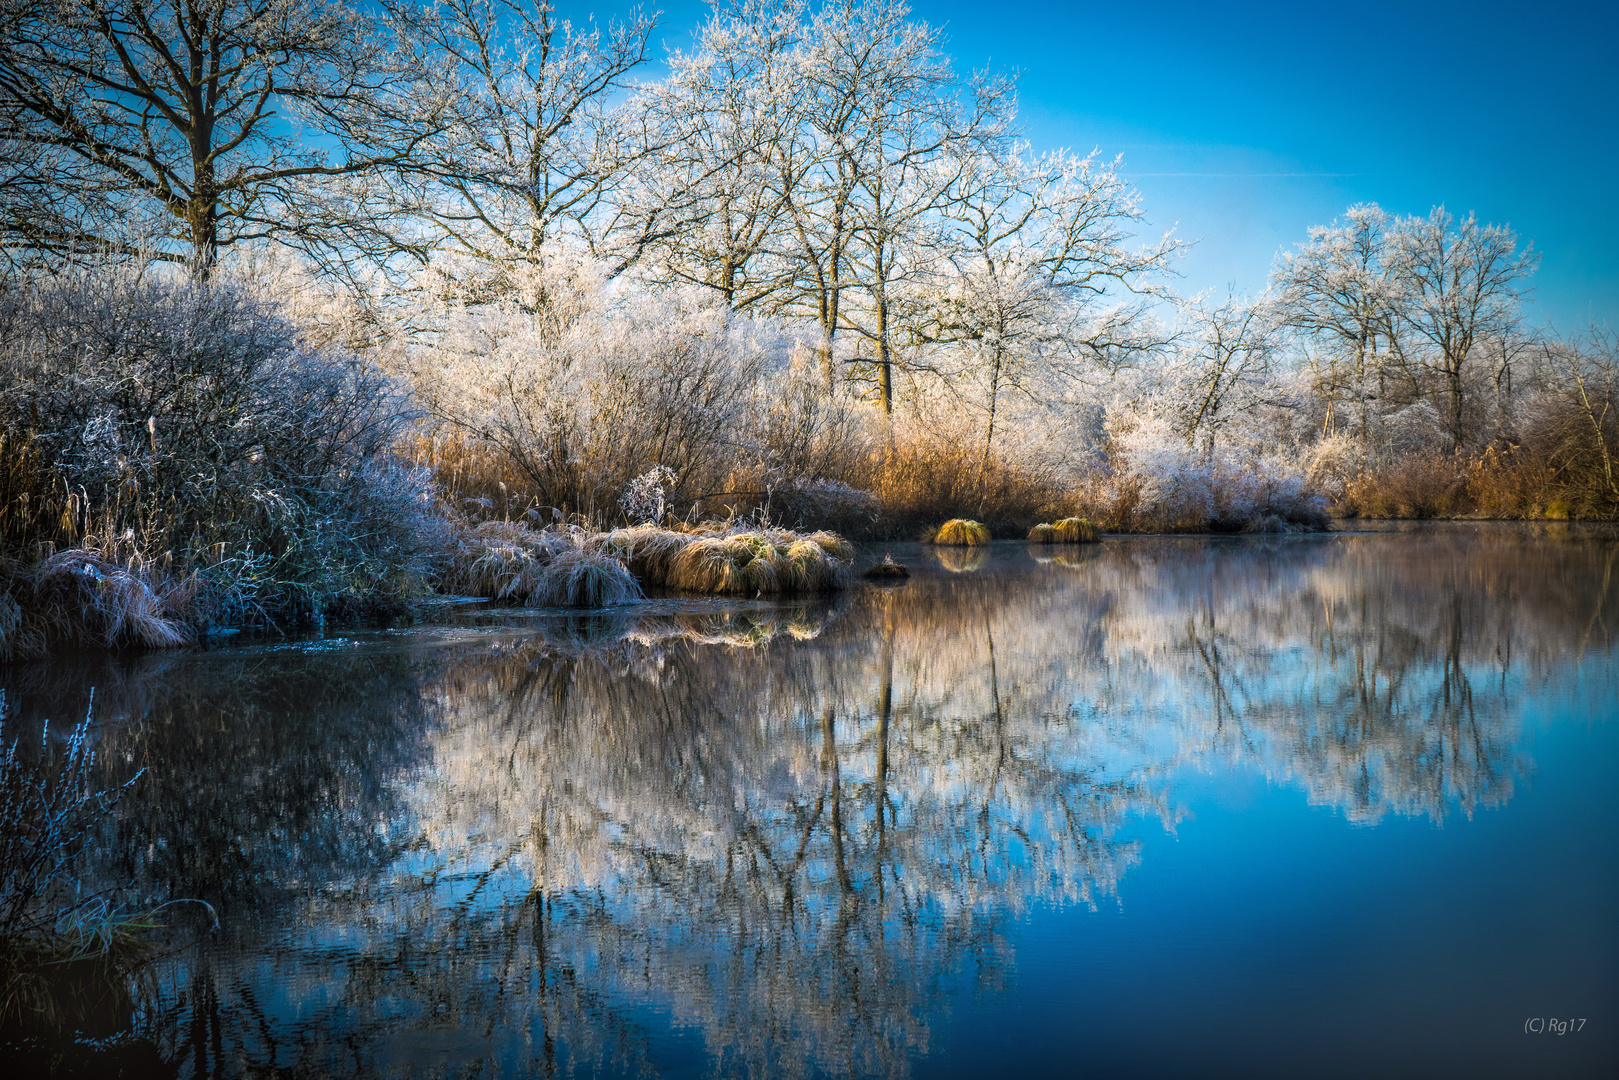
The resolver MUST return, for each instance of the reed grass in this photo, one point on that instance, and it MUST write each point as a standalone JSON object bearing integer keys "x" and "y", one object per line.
{"x": 759, "y": 562}
{"x": 960, "y": 532}
{"x": 1075, "y": 530}
{"x": 575, "y": 568}
{"x": 578, "y": 578}
{"x": 923, "y": 477}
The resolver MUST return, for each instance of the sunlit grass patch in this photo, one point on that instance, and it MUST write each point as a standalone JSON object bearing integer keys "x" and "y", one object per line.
{"x": 1070, "y": 530}
{"x": 960, "y": 532}
{"x": 760, "y": 561}
{"x": 572, "y": 568}
{"x": 647, "y": 550}
{"x": 1075, "y": 530}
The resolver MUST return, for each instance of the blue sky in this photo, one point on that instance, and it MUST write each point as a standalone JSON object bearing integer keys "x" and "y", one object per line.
{"x": 1243, "y": 123}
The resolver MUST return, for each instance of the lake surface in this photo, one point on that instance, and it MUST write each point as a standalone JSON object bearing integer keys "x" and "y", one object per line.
{"x": 1291, "y": 806}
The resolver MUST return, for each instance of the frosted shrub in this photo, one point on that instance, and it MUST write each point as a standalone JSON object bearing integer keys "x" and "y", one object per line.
{"x": 607, "y": 398}
{"x": 1415, "y": 431}
{"x": 1181, "y": 485}
{"x": 643, "y": 501}
{"x": 1332, "y": 463}
{"x": 189, "y": 426}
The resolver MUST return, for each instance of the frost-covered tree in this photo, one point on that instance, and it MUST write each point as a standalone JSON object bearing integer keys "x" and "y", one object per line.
{"x": 734, "y": 108}
{"x": 179, "y": 128}
{"x": 1036, "y": 251}
{"x": 1224, "y": 374}
{"x": 897, "y": 126}
{"x": 1338, "y": 291}
{"x": 536, "y": 140}
{"x": 1460, "y": 286}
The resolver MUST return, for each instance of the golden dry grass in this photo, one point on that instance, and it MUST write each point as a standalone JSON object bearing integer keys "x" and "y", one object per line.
{"x": 1070, "y": 530}
{"x": 1075, "y": 530}
{"x": 833, "y": 544}
{"x": 924, "y": 477}
{"x": 506, "y": 561}
{"x": 760, "y": 562}
{"x": 647, "y": 550}
{"x": 960, "y": 532}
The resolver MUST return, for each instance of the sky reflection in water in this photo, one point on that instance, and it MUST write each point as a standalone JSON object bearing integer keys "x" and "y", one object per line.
{"x": 1166, "y": 806}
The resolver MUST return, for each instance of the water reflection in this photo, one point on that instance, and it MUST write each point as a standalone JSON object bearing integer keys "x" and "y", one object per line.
{"x": 789, "y": 832}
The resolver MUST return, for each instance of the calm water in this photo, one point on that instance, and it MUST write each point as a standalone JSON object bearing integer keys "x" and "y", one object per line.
{"x": 1250, "y": 807}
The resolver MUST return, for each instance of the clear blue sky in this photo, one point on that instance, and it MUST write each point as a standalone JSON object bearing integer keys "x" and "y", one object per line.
{"x": 1246, "y": 122}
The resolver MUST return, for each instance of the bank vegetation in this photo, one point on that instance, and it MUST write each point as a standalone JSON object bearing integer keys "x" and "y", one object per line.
{"x": 372, "y": 302}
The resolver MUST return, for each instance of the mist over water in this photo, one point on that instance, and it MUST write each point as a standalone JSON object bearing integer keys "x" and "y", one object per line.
{"x": 1258, "y": 806}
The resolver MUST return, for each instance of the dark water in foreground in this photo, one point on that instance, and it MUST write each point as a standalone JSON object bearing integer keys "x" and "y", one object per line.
{"x": 1252, "y": 807}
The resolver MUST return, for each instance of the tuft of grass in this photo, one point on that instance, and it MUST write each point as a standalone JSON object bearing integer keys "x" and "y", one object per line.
{"x": 648, "y": 551}
{"x": 833, "y": 544}
{"x": 1070, "y": 530}
{"x": 887, "y": 570}
{"x": 502, "y": 560}
{"x": 77, "y": 597}
{"x": 759, "y": 562}
{"x": 1075, "y": 530}
{"x": 585, "y": 579}
{"x": 960, "y": 532}
{"x": 508, "y": 561}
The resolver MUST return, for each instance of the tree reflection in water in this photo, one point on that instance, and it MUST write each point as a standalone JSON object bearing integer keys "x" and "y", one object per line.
{"x": 789, "y": 831}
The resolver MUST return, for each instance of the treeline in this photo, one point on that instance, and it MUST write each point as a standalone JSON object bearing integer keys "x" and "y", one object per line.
{"x": 303, "y": 289}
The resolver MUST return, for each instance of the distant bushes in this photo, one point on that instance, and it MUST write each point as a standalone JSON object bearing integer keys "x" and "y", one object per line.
{"x": 559, "y": 397}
